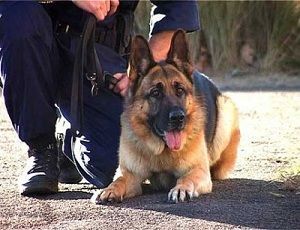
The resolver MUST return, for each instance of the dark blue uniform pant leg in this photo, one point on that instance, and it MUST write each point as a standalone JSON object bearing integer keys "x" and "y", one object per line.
{"x": 95, "y": 154}
{"x": 28, "y": 60}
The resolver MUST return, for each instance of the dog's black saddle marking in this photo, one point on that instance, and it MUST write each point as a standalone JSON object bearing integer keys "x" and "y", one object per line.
{"x": 208, "y": 93}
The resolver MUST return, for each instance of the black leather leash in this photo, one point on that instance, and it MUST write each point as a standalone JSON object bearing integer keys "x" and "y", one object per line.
{"x": 86, "y": 64}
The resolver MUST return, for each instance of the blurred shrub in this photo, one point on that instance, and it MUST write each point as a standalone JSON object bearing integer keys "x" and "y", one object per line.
{"x": 262, "y": 35}
{"x": 142, "y": 18}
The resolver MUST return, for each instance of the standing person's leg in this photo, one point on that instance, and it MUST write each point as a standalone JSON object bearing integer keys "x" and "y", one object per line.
{"x": 29, "y": 66}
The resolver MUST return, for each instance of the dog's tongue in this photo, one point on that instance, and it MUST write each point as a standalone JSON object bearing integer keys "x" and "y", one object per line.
{"x": 173, "y": 140}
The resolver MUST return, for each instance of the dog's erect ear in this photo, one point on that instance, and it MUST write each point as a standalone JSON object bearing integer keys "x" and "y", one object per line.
{"x": 179, "y": 52}
{"x": 141, "y": 59}
{"x": 179, "y": 49}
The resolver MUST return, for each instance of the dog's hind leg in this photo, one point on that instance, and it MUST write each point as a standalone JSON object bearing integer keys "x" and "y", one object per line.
{"x": 226, "y": 162}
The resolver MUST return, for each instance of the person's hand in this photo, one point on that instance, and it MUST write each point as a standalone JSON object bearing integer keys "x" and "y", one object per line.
{"x": 100, "y": 8}
{"x": 123, "y": 84}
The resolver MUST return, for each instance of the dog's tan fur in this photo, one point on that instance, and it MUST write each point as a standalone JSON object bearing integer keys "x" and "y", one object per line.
{"x": 143, "y": 155}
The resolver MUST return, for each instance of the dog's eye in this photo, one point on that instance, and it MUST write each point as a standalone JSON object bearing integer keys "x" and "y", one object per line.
{"x": 179, "y": 91}
{"x": 155, "y": 93}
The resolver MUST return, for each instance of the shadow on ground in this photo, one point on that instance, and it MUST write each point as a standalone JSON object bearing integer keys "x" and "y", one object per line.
{"x": 239, "y": 202}
{"x": 66, "y": 195}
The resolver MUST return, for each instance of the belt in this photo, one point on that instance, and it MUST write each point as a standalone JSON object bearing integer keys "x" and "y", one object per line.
{"x": 65, "y": 28}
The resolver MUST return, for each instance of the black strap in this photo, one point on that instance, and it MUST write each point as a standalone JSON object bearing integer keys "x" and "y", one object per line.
{"x": 87, "y": 64}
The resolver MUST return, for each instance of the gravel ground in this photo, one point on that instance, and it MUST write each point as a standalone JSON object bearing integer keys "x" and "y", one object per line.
{"x": 254, "y": 197}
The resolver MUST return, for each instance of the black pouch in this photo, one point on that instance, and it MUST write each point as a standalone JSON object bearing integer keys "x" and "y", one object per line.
{"x": 117, "y": 33}
{"x": 124, "y": 33}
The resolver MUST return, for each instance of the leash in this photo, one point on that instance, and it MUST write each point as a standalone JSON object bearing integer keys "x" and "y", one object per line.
{"x": 86, "y": 64}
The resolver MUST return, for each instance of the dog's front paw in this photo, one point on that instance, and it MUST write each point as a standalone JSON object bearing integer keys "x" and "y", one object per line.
{"x": 186, "y": 190}
{"x": 181, "y": 193}
{"x": 109, "y": 194}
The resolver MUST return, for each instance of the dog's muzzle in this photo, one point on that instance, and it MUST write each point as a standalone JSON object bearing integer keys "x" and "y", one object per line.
{"x": 176, "y": 119}
{"x": 170, "y": 129}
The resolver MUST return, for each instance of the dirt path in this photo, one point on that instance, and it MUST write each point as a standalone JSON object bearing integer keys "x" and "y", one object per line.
{"x": 254, "y": 196}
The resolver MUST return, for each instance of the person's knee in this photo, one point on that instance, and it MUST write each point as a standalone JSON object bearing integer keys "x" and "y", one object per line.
{"x": 24, "y": 20}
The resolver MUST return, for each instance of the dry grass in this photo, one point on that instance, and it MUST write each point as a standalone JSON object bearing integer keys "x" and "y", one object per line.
{"x": 270, "y": 28}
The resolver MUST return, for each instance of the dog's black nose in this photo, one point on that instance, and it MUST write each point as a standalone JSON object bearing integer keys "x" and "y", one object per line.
{"x": 176, "y": 116}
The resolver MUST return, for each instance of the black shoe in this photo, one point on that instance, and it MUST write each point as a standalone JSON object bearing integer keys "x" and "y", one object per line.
{"x": 68, "y": 172}
{"x": 41, "y": 172}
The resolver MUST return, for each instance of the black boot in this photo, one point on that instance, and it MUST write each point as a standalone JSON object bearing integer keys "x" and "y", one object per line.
{"x": 68, "y": 172}
{"x": 41, "y": 172}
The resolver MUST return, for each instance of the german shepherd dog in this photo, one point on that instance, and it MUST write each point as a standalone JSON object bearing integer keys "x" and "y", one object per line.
{"x": 178, "y": 130}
